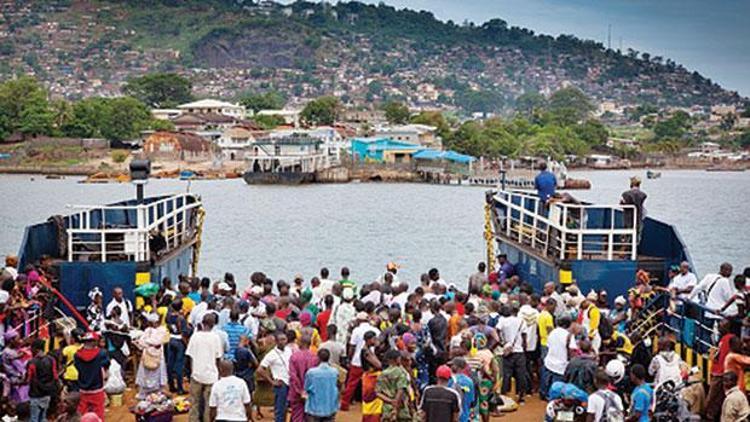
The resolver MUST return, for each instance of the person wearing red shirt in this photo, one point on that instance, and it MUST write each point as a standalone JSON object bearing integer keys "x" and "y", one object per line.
{"x": 322, "y": 320}
{"x": 716, "y": 388}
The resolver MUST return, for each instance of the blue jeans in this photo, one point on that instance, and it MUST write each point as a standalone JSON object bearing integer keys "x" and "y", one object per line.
{"x": 548, "y": 378}
{"x": 280, "y": 402}
{"x": 176, "y": 363}
{"x": 39, "y": 406}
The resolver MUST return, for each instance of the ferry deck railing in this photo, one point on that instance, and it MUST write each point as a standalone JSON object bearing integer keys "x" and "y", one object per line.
{"x": 566, "y": 230}
{"x": 123, "y": 232}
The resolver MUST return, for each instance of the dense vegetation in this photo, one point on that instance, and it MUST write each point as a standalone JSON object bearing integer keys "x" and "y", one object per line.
{"x": 25, "y": 109}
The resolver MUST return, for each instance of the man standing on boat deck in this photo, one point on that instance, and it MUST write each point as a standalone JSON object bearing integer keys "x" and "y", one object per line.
{"x": 636, "y": 197}
{"x": 545, "y": 183}
{"x": 119, "y": 300}
{"x": 505, "y": 269}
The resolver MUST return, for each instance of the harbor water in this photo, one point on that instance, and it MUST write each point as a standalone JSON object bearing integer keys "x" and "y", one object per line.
{"x": 283, "y": 230}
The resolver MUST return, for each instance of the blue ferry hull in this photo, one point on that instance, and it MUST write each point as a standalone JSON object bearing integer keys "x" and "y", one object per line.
{"x": 613, "y": 276}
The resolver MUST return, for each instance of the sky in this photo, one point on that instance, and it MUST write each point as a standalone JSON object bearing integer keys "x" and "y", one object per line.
{"x": 710, "y": 36}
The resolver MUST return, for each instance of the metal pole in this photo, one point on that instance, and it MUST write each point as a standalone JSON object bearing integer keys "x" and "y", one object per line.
{"x": 139, "y": 193}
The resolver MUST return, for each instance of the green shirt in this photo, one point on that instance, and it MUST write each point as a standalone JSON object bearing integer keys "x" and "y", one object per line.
{"x": 390, "y": 382}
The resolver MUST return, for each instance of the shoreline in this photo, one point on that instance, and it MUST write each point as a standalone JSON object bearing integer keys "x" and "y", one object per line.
{"x": 395, "y": 176}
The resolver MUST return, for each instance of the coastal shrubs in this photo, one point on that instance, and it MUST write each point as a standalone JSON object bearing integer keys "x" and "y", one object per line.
{"x": 119, "y": 156}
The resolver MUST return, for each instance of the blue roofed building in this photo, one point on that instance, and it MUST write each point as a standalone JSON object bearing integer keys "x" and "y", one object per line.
{"x": 383, "y": 150}
{"x": 434, "y": 161}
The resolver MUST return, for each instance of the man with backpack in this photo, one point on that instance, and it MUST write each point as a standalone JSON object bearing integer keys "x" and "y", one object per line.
{"x": 42, "y": 378}
{"x": 604, "y": 405}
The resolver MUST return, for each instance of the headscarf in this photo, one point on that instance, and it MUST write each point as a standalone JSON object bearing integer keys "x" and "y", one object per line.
{"x": 94, "y": 292}
{"x": 409, "y": 338}
{"x": 487, "y": 290}
{"x": 305, "y": 318}
{"x": 306, "y": 296}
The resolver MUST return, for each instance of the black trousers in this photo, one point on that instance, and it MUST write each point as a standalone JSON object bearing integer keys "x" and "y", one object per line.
{"x": 514, "y": 366}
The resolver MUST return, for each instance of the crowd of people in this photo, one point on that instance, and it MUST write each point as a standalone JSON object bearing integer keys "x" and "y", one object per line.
{"x": 311, "y": 348}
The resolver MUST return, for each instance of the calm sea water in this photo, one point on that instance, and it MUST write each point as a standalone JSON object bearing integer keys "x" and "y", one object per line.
{"x": 287, "y": 230}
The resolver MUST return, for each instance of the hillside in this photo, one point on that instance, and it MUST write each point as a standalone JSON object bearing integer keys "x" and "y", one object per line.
{"x": 359, "y": 52}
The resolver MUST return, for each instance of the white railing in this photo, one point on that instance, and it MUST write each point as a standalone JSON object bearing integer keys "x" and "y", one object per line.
{"x": 565, "y": 230}
{"x": 92, "y": 238}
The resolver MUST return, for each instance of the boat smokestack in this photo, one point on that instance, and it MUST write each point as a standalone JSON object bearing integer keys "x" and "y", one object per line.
{"x": 140, "y": 170}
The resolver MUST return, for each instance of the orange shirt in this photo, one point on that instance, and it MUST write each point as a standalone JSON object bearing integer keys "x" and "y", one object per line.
{"x": 453, "y": 325}
{"x": 736, "y": 362}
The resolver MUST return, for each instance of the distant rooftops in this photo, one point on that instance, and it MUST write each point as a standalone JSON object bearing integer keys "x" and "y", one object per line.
{"x": 208, "y": 103}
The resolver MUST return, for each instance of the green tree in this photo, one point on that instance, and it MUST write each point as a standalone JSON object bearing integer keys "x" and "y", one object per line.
{"x": 672, "y": 128}
{"x": 321, "y": 111}
{"x": 116, "y": 119}
{"x": 529, "y": 102}
{"x": 87, "y": 119}
{"x": 268, "y": 121}
{"x": 592, "y": 132}
{"x": 24, "y": 108}
{"x": 271, "y": 100}
{"x": 479, "y": 101}
{"x": 396, "y": 112}
{"x": 436, "y": 119}
{"x": 160, "y": 90}
{"x": 36, "y": 117}
{"x": 569, "y": 106}
{"x": 126, "y": 117}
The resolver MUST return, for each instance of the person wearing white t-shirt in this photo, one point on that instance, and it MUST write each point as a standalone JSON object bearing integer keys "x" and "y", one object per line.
{"x": 558, "y": 344}
{"x": 274, "y": 368}
{"x": 684, "y": 282}
{"x": 356, "y": 343}
{"x": 230, "y": 398}
{"x": 511, "y": 329}
{"x": 715, "y": 290}
{"x": 602, "y": 401}
{"x": 204, "y": 350}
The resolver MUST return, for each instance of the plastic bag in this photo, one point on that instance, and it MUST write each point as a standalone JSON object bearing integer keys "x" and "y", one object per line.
{"x": 147, "y": 290}
{"x": 115, "y": 383}
{"x": 560, "y": 389}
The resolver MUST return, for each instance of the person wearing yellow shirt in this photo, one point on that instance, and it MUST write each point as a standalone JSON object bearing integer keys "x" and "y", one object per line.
{"x": 589, "y": 319}
{"x": 187, "y": 303}
{"x": 546, "y": 323}
{"x": 70, "y": 373}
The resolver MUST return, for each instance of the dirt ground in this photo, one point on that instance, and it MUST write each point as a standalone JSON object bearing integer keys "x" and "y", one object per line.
{"x": 533, "y": 410}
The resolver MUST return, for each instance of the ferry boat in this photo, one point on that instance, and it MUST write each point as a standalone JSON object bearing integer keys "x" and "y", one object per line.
{"x": 594, "y": 245}
{"x": 123, "y": 244}
{"x": 293, "y": 159}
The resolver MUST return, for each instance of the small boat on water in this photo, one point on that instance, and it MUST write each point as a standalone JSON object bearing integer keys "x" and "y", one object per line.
{"x": 287, "y": 160}
{"x": 650, "y": 174}
{"x": 187, "y": 175}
